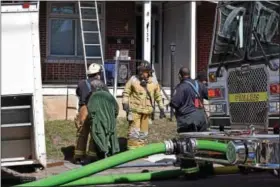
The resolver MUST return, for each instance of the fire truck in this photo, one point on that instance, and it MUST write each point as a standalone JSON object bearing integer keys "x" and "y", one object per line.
{"x": 243, "y": 70}
{"x": 22, "y": 117}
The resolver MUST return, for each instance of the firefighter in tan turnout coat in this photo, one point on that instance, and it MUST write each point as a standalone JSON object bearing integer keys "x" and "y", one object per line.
{"x": 84, "y": 90}
{"x": 139, "y": 94}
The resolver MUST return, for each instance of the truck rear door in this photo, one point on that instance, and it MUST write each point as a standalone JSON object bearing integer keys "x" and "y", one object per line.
{"x": 22, "y": 122}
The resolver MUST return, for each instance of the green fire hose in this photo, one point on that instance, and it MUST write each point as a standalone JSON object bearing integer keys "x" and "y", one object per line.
{"x": 211, "y": 146}
{"x": 115, "y": 160}
{"x": 99, "y": 166}
{"x": 142, "y": 177}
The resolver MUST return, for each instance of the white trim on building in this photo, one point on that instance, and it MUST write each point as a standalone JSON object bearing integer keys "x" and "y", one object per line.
{"x": 193, "y": 39}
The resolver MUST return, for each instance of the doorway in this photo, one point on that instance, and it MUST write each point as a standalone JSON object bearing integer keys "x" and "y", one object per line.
{"x": 139, "y": 37}
{"x": 156, "y": 46}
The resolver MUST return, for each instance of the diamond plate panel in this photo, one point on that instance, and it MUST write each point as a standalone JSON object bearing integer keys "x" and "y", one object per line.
{"x": 253, "y": 80}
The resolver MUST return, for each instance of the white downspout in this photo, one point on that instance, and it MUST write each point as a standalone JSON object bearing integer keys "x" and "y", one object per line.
{"x": 193, "y": 40}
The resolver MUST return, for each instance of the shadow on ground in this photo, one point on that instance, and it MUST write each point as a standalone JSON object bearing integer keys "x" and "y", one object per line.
{"x": 252, "y": 180}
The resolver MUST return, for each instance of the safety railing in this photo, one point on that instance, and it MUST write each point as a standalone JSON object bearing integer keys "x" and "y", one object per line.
{"x": 71, "y": 71}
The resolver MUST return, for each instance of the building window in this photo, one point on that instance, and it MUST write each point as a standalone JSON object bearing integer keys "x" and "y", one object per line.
{"x": 64, "y": 30}
{"x": 62, "y": 40}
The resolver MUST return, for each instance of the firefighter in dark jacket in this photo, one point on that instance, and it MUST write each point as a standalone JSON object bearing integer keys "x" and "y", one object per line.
{"x": 187, "y": 101}
{"x": 84, "y": 90}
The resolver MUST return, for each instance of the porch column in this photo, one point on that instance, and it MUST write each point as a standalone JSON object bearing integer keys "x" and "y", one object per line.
{"x": 193, "y": 40}
{"x": 147, "y": 34}
{"x": 147, "y": 30}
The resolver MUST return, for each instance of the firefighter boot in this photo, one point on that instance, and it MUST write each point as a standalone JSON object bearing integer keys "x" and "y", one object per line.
{"x": 92, "y": 155}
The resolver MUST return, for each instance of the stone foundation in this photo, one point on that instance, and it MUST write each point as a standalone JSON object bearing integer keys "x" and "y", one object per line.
{"x": 57, "y": 107}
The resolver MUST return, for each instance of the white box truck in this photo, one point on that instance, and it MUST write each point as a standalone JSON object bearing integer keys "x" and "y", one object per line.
{"x": 22, "y": 118}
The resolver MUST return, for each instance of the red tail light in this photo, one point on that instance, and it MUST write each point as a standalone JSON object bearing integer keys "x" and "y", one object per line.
{"x": 275, "y": 89}
{"x": 213, "y": 93}
{"x": 25, "y": 5}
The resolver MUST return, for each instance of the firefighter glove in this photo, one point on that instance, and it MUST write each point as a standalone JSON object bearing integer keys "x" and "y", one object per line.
{"x": 162, "y": 114}
{"x": 125, "y": 107}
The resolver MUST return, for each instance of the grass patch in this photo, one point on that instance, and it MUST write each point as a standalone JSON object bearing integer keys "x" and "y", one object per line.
{"x": 62, "y": 133}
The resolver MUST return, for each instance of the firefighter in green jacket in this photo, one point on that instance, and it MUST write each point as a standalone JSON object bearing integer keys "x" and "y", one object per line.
{"x": 139, "y": 94}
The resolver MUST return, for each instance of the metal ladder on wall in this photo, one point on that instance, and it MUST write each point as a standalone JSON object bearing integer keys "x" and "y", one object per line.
{"x": 89, "y": 7}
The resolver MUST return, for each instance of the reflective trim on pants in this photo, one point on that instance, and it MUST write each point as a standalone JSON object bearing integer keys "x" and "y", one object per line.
{"x": 143, "y": 138}
{"x": 79, "y": 153}
{"x": 138, "y": 130}
{"x": 92, "y": 148}
{"x": 92, "y": 154}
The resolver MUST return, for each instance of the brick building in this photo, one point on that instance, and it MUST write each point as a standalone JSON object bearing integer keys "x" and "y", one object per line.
{"x": 188, "y": 24}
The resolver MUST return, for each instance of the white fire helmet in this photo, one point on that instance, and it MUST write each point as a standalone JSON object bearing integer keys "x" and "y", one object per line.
{"x": 94, "y": 68}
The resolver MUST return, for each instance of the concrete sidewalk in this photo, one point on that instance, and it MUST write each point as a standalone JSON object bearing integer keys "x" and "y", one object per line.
{"x": 251, "y": 180}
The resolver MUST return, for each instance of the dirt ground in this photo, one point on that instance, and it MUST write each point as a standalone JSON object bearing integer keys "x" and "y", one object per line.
{"x": 61, "y": 135}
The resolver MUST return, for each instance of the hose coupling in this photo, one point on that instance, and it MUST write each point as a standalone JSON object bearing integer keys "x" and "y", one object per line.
{"x": 169, "y": 146}
{"x": 184, "y": 146}
{"x": 236, "y": 152}
{"x": 194, "y": 144}
{"x": 241, "y": 152}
